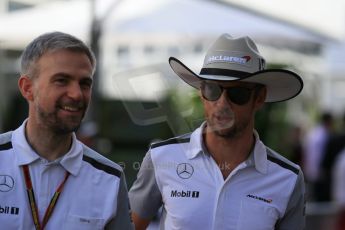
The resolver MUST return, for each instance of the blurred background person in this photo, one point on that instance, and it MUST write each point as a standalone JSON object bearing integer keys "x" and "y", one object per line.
{"x": 333, "y": 148}
{"x": 314, "y": 148}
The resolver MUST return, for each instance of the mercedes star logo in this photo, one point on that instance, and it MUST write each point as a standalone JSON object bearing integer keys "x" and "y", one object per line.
{"x": 6, "y": 183}
{"x": 184, "y": 170}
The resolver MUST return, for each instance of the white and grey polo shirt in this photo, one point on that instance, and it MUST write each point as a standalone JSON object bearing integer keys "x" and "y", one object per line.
{"x": 264, "y": 192}
{"x": 94, "y": 195}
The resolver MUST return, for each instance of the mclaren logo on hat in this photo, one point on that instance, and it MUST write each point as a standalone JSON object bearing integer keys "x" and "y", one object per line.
{"x": 219, "y": 58}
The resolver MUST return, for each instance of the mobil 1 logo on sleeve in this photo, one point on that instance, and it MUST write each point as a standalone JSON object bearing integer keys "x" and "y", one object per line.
{"x": 187, "y": 194}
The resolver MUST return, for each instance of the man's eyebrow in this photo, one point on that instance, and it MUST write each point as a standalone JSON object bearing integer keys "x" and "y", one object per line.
{"x": 66, "y": 75}
{"x": 62, "y": 74}
{"x": 87, "y": 79}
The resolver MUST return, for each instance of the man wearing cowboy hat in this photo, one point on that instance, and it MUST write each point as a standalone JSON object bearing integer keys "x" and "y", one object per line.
{"x": 222, "y": 176}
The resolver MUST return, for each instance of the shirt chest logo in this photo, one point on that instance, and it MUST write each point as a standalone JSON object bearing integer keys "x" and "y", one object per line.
{"x": 260, "y": 198}
{"x": 184, "y": 170}
{"x": 6, "y": 183}
{"x": 182, "y": 193}
{"x": 9, "y": 210}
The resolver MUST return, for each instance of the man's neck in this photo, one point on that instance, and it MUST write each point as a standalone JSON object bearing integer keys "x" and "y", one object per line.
{"x": 47, "y": 144}
{"x": 229, "y": 152}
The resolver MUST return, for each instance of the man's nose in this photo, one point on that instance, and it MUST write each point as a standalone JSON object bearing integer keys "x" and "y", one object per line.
{"x": 75, "y": 92}
{"x": 223, "y": 99}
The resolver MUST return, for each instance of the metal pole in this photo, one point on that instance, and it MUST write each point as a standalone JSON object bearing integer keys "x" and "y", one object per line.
{"x": 96, "y": 33}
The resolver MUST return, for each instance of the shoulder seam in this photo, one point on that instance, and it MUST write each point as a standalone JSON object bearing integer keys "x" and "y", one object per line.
{"x": 98, "y": 165}
{"x": 283, "y": 164}
{"x": 6, "y": 146}
{"x": 170, "y": 141}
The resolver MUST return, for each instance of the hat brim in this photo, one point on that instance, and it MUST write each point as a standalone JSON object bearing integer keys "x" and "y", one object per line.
{"x": 281, "y": 84}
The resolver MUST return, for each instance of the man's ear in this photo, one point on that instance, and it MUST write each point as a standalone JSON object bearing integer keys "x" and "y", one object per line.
{"x": 25, "y": 85}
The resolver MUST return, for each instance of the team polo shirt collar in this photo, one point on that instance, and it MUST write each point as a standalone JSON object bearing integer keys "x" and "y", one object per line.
{"x": 257, "y": 158}
{"x": 71, "y": 161}
{"x": 195, "y": 144}
{"x": 259, "y": 155}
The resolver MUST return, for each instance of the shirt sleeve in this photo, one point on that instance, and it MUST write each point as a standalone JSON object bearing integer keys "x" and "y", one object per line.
{"x": 145, "y": 196}
{"x": 294, "y": 217}
{"x": 122, "y": 219}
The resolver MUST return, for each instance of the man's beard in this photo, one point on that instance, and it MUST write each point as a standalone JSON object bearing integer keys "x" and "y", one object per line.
{"x": 59, "y": 125}
{"x": 228, "y": 130}
{"x": 232, "y": 132}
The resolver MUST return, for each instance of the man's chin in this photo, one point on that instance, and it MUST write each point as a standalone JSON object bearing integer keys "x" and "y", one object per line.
{"x": 225, "y": 134}
{"x": 67, "y": 127}
{"x": 222, "y": 126}
{"x": 221, "y": 130}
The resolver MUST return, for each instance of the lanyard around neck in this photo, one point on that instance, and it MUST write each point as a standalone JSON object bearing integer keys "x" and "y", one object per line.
{"x": 33, "y": 204}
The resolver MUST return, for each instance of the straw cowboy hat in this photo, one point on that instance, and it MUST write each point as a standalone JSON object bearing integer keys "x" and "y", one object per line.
{"x": 238, "y": 59}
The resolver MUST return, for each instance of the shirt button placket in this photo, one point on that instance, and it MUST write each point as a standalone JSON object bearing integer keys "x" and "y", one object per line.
{"x": 219, "y": 213}
{"x": 43, "y": 196}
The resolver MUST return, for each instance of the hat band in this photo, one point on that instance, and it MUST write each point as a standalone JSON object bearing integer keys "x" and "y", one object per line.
{"x": 224, "y": 72}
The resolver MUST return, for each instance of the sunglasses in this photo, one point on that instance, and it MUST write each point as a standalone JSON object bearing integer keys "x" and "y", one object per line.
{"x": 239, "y": 95}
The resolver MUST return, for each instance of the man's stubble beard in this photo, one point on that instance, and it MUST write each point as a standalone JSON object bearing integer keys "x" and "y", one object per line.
{"x": 230, "y": 130}
{"x": 57, "y": 125}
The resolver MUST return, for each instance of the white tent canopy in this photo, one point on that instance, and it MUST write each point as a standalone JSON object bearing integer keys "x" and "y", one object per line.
{"x": 20, "y": 27}
{"x": 196, "y": 17}
{"x": 192, "y": 17}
